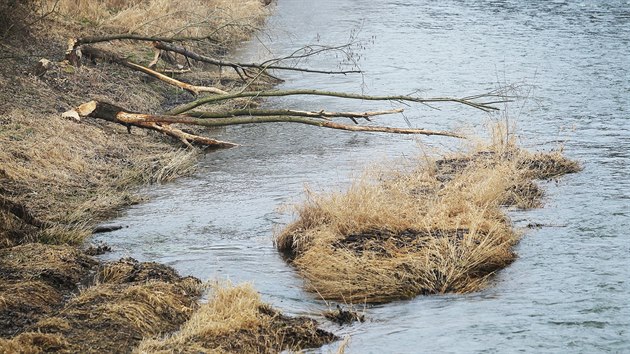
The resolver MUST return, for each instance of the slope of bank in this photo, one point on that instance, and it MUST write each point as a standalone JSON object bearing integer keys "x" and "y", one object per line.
{"x": 59, "y": 178}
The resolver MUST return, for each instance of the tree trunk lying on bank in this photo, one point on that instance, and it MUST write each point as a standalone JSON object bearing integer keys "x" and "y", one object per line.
{"x": 113, "y": 113}
{"x": 162, "y": 123}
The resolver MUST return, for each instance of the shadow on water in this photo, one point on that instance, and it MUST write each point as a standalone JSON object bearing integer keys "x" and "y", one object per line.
{"x": 568, "y": 290}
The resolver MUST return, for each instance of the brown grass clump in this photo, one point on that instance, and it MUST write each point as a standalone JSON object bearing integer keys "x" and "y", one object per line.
{"x": 34, "y": 343}
{"x": 235, "y": 320}
{"x": 224, "y": 21}
{"x": 439, "y": 229}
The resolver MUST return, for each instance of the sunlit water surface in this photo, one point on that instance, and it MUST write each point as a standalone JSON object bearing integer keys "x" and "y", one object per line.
{"x": 567, "y": 292}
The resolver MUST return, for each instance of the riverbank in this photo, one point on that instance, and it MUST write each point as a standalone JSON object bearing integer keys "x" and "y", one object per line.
{"x": 59, "y": 178}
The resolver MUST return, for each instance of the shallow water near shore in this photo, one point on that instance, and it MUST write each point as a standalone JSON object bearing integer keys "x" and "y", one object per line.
{"x": 567, "y": 291}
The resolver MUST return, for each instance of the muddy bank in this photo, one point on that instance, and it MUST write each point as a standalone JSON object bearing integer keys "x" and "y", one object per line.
{"x": 236, "y": 321}
{"x": 56, "y": 299}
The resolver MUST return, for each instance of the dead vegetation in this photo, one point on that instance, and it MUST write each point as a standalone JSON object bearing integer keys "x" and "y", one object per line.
{"x": 441, "y": 228}
{"x": 236, "y": 321}
{"x": 120, "y": 304}
{"x": 35, "y": 280}
{"x": 58, "y": 177}
{"x": 60, "y": 300}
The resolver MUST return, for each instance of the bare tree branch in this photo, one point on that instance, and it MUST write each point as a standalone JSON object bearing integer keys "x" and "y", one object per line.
{"x": 111, "y": 57}
{"x": 190, "y": 54}
{"x": 275, "y": 93}
{"x": 290, "y": 112}
{"x": 134, "y": 118}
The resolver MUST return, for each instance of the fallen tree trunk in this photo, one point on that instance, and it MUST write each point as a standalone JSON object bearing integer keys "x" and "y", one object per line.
{"x": 249, "y": 73}
{"x": 162, "y": 123}
{"x": 115, "y": 114}
{"x": 145, "y": 118}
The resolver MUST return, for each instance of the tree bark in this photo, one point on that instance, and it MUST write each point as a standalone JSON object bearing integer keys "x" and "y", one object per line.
{"x": 115, "y": 114}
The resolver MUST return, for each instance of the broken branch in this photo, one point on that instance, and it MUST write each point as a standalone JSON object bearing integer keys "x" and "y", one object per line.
{"x": 111, "y": 57}
{"x": 275, "y": 93}
{"x": 113, "y": 113}
{"x": 290, "y": 112}
{"x": 134, "y": 118}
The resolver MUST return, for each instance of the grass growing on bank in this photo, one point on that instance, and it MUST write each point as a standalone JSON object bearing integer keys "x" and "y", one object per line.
{"x": 72, "y": 175}
{"x": 235, "y": 320}
{"x": 224, "y": 21}
{"x": 441, "y": 228}
{"x": 58, "y": 177}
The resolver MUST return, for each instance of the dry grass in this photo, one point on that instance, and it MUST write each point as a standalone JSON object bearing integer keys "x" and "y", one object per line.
{"x": 76, "y": 174}
{"x": 34, "y": 281}
{"x": 225, "y": 21}
{"x": 235, "y": 320}
{"x": 438, "y": 229}
{"x": 114, "y": 317}
{"x": 32, "y": 343}
{"x": 69, "y": 176}
{"x": 129, "y": 300}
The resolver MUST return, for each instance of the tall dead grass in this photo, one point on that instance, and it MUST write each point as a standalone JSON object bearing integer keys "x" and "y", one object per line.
{"x": 441, "y": 228}
{"x": 228, "y": 21}
{"x": 74, "y": 175}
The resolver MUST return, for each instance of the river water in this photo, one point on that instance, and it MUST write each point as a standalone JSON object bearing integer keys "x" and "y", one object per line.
{"x": 569, "y": 289}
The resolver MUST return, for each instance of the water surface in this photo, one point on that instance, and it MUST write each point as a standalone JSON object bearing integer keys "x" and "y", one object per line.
{"x": 567, "y": 292}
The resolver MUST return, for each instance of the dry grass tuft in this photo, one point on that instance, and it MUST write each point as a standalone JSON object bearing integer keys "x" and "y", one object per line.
{"x": 235, "y": 320}
{"x": 438, "y": 229}
{"x": 33, "y": 343}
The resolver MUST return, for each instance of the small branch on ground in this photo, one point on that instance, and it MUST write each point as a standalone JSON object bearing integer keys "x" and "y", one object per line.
{"x": 94, "y": 53}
